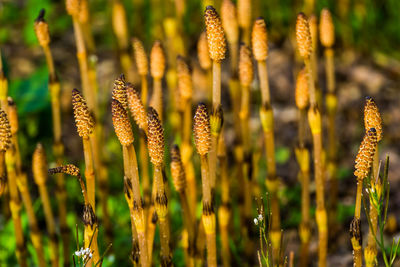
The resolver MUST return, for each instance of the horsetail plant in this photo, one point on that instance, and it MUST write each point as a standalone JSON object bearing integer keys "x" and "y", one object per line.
{"x": 157, "y": 70}
{"x": 304, "y": 45}
{"x": 156, "y": 153}
{"x": 244, "y": 19}
{"x": 15, "y": 201}
{"x": 89, "y": 216}
{"x": 231, "y": 27}
{"x": 363, "y": 164}
{"x": 185, "y": 88}
{"x": 13, "y": 162}
{"x": 303, "y": 159}
{"x": 216, "y": 49}
{"x": 124, "y": 133}
{"x": 85, "y": 124}
{"x": 372, "y": 119}
{"x": 39, "y": 170}
{"x": 260, "y": 51}
{"x": 42, "y": 33}
{"x": 179, "y": 180}
{"x": 202, "y": 138}
{"x": 142, "y": 65}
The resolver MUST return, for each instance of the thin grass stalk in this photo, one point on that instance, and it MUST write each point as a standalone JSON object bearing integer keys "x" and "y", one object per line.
{"x": 39, "y": 170}
{"x": 224, "y": 212}
{"x": 35, "y": 234}
{"x": 13, "y": 160}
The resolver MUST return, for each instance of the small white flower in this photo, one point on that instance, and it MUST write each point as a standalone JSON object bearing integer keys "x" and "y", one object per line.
{"x": 260, "y": 217}
{"x": 255, "y": 221}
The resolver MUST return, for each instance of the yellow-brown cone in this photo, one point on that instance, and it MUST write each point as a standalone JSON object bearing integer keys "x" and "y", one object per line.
{"x": 136, "y": 107}
{"x": 69, "y": 169}
{"x": 39, "y": 165}
{"x": 259, "y": 39}
{"x": 142, "y": 63}
{"x": 42, "y": 29}
{"x": 122, "y": 125}
{"x": 244, "y": 13}
{"x": 12, "y": 115}
{"x": 326, "y": 28}
{"x": 155, "y": 138}
{"x": 119, "y": 23}
{"x": 372, "y": 117}
{"x": 302, "y": 90}
{"x": 73, "y": 7}
{"x": 245, "y": 66}
{"x": 215, "y": 35}
{"x": 84, "y": 11}
{"x": 229, "y": 21}
{"x": 177, "y": 170}
{"x": 202, "y": 131}
{"x": 303, "y": 36}
{"x": 119, "y": 91}
{"x": 83, "y": 118}
{"x": 157, "y": 60}
{"x": 202, "y": 52}
{"x": 312, "y": 23}
{"x": 365, "y": 154}
{"x": 184, "y": 78}
{"x": 5, "y": 131}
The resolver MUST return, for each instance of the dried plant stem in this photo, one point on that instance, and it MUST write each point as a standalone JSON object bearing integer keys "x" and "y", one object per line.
{"x": 50, "y": 62}
{"x": 216, "y": 85}
{"x": 58, "y": 148}
{"x": 234, "y": 89}
{"x": 188, "y": 221}
{"x": 145, "y": 90}
{"x": 131, "y": 171}
{"x": 89, "y": 171}
{"x": 35, "y": 233}
{"x": 311, "y": 84}
{"x": 50, "y": 222}
{"x": 234, "y": 53}
{"x": 209, "y": 217}
{"x": 15, "y": 207}
{"x": 357, "y": 249}
{"x": 330, "y": 69}
{"x": 216, "y": 100}
{"x": 264, "y": 84}
{"x": 224, "y": 211}
{"x": 373, "y": 215}
{"x": 162, "y": 217}
{"x": 315, "y": 125}
{"x": 321, "y": 216}
{"x": 157, "y": 97}
{"x": 84, "y": 67}
{"x": 303, "y": 159}
{"x": 151, "y": 223}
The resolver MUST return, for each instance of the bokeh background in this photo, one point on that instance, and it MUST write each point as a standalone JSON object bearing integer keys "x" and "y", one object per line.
{"x": 367, "y": 63}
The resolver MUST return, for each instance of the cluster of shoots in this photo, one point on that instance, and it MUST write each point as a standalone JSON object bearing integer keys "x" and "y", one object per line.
{"x": 139, "y": 115}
